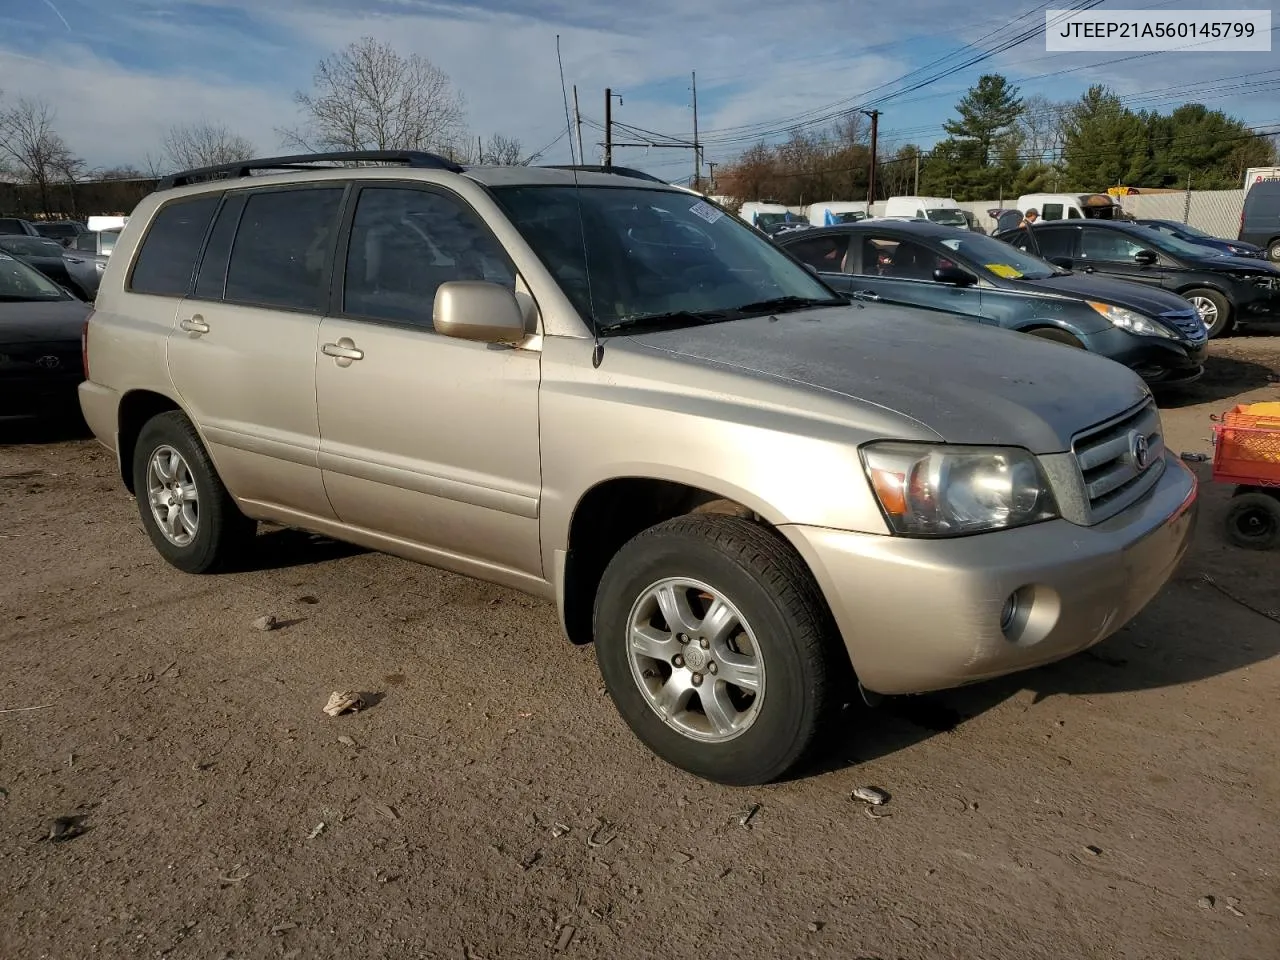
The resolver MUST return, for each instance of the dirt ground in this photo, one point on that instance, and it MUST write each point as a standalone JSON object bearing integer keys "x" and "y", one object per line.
{"x": 491, "y": 803}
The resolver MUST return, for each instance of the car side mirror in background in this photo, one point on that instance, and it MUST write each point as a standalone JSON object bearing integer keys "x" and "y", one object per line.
{"x": 1066, "y": 263}
{"x": 478, "y": 310}
{"x": 1145, "y": 257}
{"x": 954, "y": 276}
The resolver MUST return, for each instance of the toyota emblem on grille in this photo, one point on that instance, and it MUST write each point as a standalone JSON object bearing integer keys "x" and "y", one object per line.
{"x": 1139, "y": 450}
{"x": 49, "y": 362}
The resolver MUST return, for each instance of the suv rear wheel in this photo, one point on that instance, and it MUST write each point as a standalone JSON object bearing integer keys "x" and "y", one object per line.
{"x": 717, "y": 648}
{"x": 186, "y": 510}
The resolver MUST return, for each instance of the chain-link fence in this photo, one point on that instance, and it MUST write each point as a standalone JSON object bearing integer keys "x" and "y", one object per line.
{"x": 1213, "y": 211}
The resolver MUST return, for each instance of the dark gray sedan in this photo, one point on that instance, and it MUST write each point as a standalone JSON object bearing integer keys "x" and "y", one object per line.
{"x": 913, "y": 263}
{"x": 40, "y": 348}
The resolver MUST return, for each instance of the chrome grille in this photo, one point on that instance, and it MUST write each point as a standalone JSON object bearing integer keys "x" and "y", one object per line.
{"x": 1109, "y": 457}
{"x": 1188, "y": 323}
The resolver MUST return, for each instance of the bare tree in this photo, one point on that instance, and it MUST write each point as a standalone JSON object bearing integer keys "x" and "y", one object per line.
{"x": 502, "y": 151}
{"x": 1040, "y": 128}
{"x": 36, "y": 150}
{"x": 204, "y": 145}
{"x": 369, "y": 97}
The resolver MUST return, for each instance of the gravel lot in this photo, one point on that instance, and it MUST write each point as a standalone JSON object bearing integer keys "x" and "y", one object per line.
{"x": 491, "y": 804}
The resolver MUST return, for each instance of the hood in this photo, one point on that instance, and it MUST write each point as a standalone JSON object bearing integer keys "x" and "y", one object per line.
{"x": 968, "y": 384}
{"x": 1151, "y": 301}
{"x": 42, "y": 321}
{"x": 1234, "y": 265}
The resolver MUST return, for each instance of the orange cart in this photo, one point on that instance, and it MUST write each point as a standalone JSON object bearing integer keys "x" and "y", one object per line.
{"x": 1246, "y": 452}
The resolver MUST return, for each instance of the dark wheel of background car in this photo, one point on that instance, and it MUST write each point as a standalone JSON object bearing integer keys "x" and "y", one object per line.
{"x": 1057, "y": 336}
{"x": 186, "y": 510}
{"x": 1273, "y": 251}
{"x": 1214, "y": 310}
{"x": 718, "y": 649}
{"x": 1253, "y": 521}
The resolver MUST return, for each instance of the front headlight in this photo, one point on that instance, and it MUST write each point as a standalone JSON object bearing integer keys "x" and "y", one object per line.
{"x": 1133, "y": 322}
{"x": 928, "y": 490}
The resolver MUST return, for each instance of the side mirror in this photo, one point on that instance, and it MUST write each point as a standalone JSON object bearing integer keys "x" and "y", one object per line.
{"x": 478, "y": 310}
{"x": 954, "y": 276}
{"x": 1066, "y": 263}
{"x": 1145, "y": 257}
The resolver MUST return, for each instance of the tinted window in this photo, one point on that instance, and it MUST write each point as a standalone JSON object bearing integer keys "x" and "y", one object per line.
{"x": 1051, "y": 211}
{"x": 20, "y": 282}
{"x": 168, "y": 254}
{"x": 824, "y": 254}
{"x": 1056, "y": 243}
{"x": 88, "y": 242}
{"x": 901, "y": 259}
{"x": 217, "y": 252}
{"x": 282, "y": 249}
{"x": 9, "y": 225}
{"x": 1073, "y": 214}
{"x": 405, "y": 243}
{"x": 1108, "y": 245}
{"x": 59, "y": 231}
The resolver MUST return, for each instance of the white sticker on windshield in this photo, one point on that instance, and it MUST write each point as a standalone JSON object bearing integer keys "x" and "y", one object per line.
{"x": 706, "y": 211}
{"x": 951, "y": 244}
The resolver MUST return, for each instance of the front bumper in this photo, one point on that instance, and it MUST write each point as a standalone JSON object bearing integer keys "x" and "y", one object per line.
{"x": 1155, "y": 359}
{"x": 921, "y": 615}
{"x": 1254, "y": 302}
{"x": 38, "y": 397}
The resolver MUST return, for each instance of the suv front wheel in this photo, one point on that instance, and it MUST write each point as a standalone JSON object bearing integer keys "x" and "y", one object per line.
{"x": 186, "y": 510}
{"x": 717, "y": 648}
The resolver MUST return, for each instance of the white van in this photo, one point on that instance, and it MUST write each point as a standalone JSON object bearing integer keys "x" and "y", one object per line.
{"x": 97, "y": 224}
{"x": 941, "y": 210}
{"x": 1073, "y": 206}
{"x": 836, "y": 211}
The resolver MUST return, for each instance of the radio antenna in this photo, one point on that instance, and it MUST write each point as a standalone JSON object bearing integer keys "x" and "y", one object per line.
{"x": 597, "y": 350}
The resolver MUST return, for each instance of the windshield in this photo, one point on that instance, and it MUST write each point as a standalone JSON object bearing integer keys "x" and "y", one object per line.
{"x": 998, "y": 258}
{"x": 31, "y": 247}
{"x": 20, "y": 282}
{"x": 59, "y": 230}
{"x": 770, "y": 219}
{"x": 623, "y": 253}
{"x": 947, "y": 217}
{"x": 1168, "y": 243}
{"x": 852, "y": 216}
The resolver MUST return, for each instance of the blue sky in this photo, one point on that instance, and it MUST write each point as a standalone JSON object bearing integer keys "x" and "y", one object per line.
{"x": 120, "y": 72}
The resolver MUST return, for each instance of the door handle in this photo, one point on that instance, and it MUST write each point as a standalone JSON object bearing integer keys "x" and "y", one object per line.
{"x": 344, "y": 351}
{"x": 194, "y": 324}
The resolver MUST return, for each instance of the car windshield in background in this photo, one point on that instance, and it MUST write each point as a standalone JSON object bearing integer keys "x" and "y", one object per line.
{"x": 999, "y": 258}
{"x": 655, "y": 254}
{"x": 30, "y": 246}
{"x": 1168, "y": 243}
{"x": 21, "y": 282}
{"x": 770, "y": 219}
{"x": 948, "y": 218}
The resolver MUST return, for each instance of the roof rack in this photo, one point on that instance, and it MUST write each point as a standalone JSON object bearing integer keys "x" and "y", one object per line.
{"x": 306, "y": 161}
{"x": 599, "y": 168}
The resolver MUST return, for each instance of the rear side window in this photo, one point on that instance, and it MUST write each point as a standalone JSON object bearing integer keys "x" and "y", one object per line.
{"x": 1073, "y": 214}
{"x": 283, "y": 248}
{"x": 1051, "y": 211}
{"x": 88, "y": 242}
{"x": 1056, "y": 243}
{"x": 9, "y": 225}
{"x": 167, "y": 258}
{"x": 217, "y": 252}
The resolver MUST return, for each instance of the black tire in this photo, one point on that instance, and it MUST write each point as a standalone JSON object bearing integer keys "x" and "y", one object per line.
{"x": 1273, "y": 251}
{"x": 223, "y": 534}
{"x": 1224, "y": 320}
{"x": 805, "y": 666}
{"x": 1057, "y": 336}
{"x": 1253, "y": 521}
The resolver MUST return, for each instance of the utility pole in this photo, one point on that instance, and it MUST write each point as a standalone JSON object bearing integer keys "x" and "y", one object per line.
{"x": 479, "y": 150}
{"x": 577, "y": 116}
{"x": 711, "y": 176}
{"x": 916, "y": 191}
{"x": 871, "y": 179}
{"x": 608, "y": 128}
{"x": 697, "y": 148}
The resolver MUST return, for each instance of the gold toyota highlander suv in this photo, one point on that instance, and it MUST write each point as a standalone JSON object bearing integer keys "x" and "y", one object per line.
{"x": 604, "y": 390}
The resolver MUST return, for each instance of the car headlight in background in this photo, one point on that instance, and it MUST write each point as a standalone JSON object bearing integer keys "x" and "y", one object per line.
{"x": 929, "y": 490}
{"x": 1131, "y": 321}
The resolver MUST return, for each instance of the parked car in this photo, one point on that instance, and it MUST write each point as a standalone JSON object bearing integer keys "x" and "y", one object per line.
{"x": 1073, "y": 206}
{"x": 746, "y": 490}
{"x": 64, "y": 231}
{"x": 47, "y": 256}
{"x": 1260, "y": 218}
{"x": 914, "y": 263}
{"x": 972, "y": 220}
{"x": 100, "y": 242}
{"x": 40, "y": 343}
{"x": 1233, "y": 248}
{"x": 1227, "y": 291}
{"x": 18, "y": 226}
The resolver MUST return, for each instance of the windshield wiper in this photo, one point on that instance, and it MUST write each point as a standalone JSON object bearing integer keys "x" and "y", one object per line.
{"x": 781, "y": 304}
{"x": 667, "y": 319}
